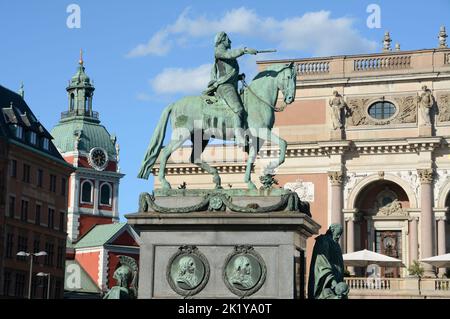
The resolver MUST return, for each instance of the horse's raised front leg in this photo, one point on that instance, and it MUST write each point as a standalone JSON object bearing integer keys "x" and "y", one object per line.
{"x": 165, "y": 154}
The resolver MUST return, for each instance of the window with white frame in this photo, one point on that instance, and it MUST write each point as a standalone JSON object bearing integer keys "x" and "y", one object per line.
{"x": 105, "y": 194}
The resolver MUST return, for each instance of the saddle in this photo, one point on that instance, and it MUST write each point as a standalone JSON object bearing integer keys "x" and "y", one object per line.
{"x": 214, "y": 106}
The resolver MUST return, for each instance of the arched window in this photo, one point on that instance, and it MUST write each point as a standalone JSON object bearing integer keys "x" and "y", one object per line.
{"x": 86, "y": 192}
{"x": 72, "y": 101}
{"x": 382, "y": 110}
{"x": 86, "y": 103}
{"x": 105, "y": 194}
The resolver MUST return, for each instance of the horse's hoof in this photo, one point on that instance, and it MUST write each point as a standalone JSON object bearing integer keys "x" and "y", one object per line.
{"x": 251, "y": 186}
{"x": 219, "y": 187}
{"x": 166, "y": 186}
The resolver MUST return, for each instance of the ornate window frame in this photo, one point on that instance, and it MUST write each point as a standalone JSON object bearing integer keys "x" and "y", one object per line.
{"x": 378, "y": 100}
{"x": 110, "y": 194}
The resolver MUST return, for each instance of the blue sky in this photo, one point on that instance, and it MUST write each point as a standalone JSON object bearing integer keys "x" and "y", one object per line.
{"x": 143, "y": 55}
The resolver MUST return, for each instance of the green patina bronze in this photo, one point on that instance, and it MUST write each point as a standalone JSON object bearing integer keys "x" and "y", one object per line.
{"x": 126, "y": 278}
{"x": 326, "y": 273}
{"x": 224, "y": 114}
{"x": 244, "y": 271}
{"x": 221, "y": 200}
{"x": 187, "y": 271}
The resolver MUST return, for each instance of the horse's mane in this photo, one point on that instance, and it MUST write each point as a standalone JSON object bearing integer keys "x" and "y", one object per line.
{"x": 272, "y": 71}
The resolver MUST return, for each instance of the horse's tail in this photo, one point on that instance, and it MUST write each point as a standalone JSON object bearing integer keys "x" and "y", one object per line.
{"x": 155, "y": 145}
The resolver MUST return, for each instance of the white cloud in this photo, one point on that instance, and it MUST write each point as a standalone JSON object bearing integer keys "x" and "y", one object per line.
{"x": 313, "y": 32}
{"x": 181, "y": 80}
{"x": 157, "y": 45}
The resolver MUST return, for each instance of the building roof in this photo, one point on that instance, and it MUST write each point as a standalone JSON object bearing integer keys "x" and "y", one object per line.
{"x": 90, "y": 134}
{"x": 15, "y": 112}
{"x": 99, "y": 235}
{"x": 87, "y": 285}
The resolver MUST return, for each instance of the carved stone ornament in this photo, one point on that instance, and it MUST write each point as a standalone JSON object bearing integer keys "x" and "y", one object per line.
{"x": 188, "y": 271}
{"x": 440, "y": 179}
{"x": 358, "y": 115}
{"x": 305, "y": 190}
{"x": 394, "y": 209}
{"x": 443, "y": 102}
{"x": 425, "y": 175}
{"x": 244, "y": 271}
{"x": 412, "y": 178}
{"x": 358, "y": 111}
{"x": 336, "y": 178}
{"x": 387, "y": 204}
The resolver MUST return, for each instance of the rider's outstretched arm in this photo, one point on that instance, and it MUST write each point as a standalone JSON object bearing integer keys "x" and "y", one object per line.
{"x": 233, "y": 54}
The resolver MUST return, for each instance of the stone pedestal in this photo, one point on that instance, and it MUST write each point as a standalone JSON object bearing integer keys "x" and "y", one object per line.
{"x": 222, "y": 254}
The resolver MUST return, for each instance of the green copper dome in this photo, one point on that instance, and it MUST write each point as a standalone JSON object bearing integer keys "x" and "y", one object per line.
{"x": 77, "y": 133}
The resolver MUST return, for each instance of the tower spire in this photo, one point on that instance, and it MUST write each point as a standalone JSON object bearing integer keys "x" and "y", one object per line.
{"x": 81, "y": 58}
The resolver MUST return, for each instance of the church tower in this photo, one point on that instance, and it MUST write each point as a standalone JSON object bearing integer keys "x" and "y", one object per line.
{"x": 88, "y": 146}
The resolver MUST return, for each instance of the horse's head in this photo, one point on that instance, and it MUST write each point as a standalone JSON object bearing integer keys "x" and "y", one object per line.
{"x": 286, "y": 81}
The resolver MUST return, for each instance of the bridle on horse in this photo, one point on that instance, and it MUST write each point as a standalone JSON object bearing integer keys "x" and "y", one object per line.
{"x": 276, "y": 109}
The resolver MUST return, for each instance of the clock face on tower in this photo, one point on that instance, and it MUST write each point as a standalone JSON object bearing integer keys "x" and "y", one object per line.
{"x": 98, "y": 158}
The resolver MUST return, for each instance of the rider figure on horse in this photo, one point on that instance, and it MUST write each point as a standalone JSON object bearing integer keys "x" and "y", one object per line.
{"x": 225, "y": 77}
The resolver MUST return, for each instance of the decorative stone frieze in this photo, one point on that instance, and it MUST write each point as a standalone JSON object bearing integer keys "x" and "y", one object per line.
{"x": 406, "y": 111}
{"x": 443, "y": 102}
{"x": 412, "y": 178}
{"x": 305, "y": 190}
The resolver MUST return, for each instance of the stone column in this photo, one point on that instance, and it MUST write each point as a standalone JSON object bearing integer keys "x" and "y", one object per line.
{"x": 426, "y": 218}
{"x": 96, "y": 197}
{"x": 336, "y": 179}
{"x": 350, "y": 239}
{"x": 413, "y": 240}
{"x": 441, "y": 240}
